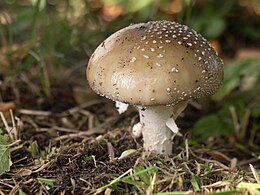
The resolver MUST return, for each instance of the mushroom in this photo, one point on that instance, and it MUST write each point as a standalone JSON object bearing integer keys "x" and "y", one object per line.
{"x": 158, "y": 66}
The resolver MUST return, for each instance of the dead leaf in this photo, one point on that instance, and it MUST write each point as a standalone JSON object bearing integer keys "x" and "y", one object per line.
{"x": 5, "y": 17}
{"x": 248, "y": 53}
{"x": 111, "y": 12}
{"x": 219, "y": 156}
{"x": 216, "y": 45}
{"x": 42, "y": 167}
{"x": 5, "y": 107}
{"x": 174, "y": 8}
{"x": 23, "y": 172}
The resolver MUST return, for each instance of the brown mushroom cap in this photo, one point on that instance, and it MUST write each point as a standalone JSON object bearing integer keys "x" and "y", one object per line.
{"x": 155, "y": 63}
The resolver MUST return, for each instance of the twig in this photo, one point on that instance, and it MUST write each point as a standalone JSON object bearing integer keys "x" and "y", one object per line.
{"x": 81, "y": 134}
{"x": 111, "y": 152}
{"x": 209, "y": 160}
{"x": 255, "y": 174}
{"x": 42, "y": 167}
{"x": 244, "y": 124}
{"x": 14, "y": 143}
{"x": 97, "y": 130}
{"x": 6, "y": 184}
{"x": 82, "y": 106}
{"x": 7, "y": 127}
{"x": 187, "y": 149}
{"x": 29, "y": 120}
{"x": 34, "y": 112}
{"x": 246, "y": 162}
{"x": 90, "y": 117}
{"x": 65, "y": 129}
{"x": 234, "y": 117}
{"x": 216, "y": 184}
{"x": 34, "y": 88}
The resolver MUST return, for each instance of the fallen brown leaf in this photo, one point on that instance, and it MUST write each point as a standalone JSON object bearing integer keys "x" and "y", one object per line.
{"x": 111, "y": 12}
{"x": 248, "y": 53}
{"x": 5, "y": 107}
{"x": 216, "y": 45}
{"x": 23, "y": 172}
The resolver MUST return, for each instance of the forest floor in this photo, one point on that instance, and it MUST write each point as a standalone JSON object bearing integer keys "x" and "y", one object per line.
{"x": 63, "y": 147}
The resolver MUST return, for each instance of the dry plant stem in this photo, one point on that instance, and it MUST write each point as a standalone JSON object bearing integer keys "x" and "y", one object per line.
{"x": 179, "y": 108}
{"x": 157, "y": 136}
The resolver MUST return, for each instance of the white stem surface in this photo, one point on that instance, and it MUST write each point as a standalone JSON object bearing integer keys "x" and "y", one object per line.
{"x": 156, "y": 129}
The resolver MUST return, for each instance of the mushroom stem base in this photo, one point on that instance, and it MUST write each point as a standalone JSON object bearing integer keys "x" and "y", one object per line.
{"x": 156, "y": 135}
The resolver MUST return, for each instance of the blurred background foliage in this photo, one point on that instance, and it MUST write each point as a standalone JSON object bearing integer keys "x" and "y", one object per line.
{"x": 53, "y": 34}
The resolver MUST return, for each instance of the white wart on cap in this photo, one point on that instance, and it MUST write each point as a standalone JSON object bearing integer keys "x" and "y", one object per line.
{"x": 155, "y": 63}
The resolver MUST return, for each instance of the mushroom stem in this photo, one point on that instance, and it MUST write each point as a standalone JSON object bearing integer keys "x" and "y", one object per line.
{"x": 157, "y": 135}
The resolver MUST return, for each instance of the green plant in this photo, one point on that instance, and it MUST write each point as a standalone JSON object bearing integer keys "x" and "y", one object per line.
{"x": 49, "y": 182}
{"x": 5, "y": 154}
{"x": 184, "y": 16}
{"x": 144, "y": 178}
{"x": 211, "y": 19}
